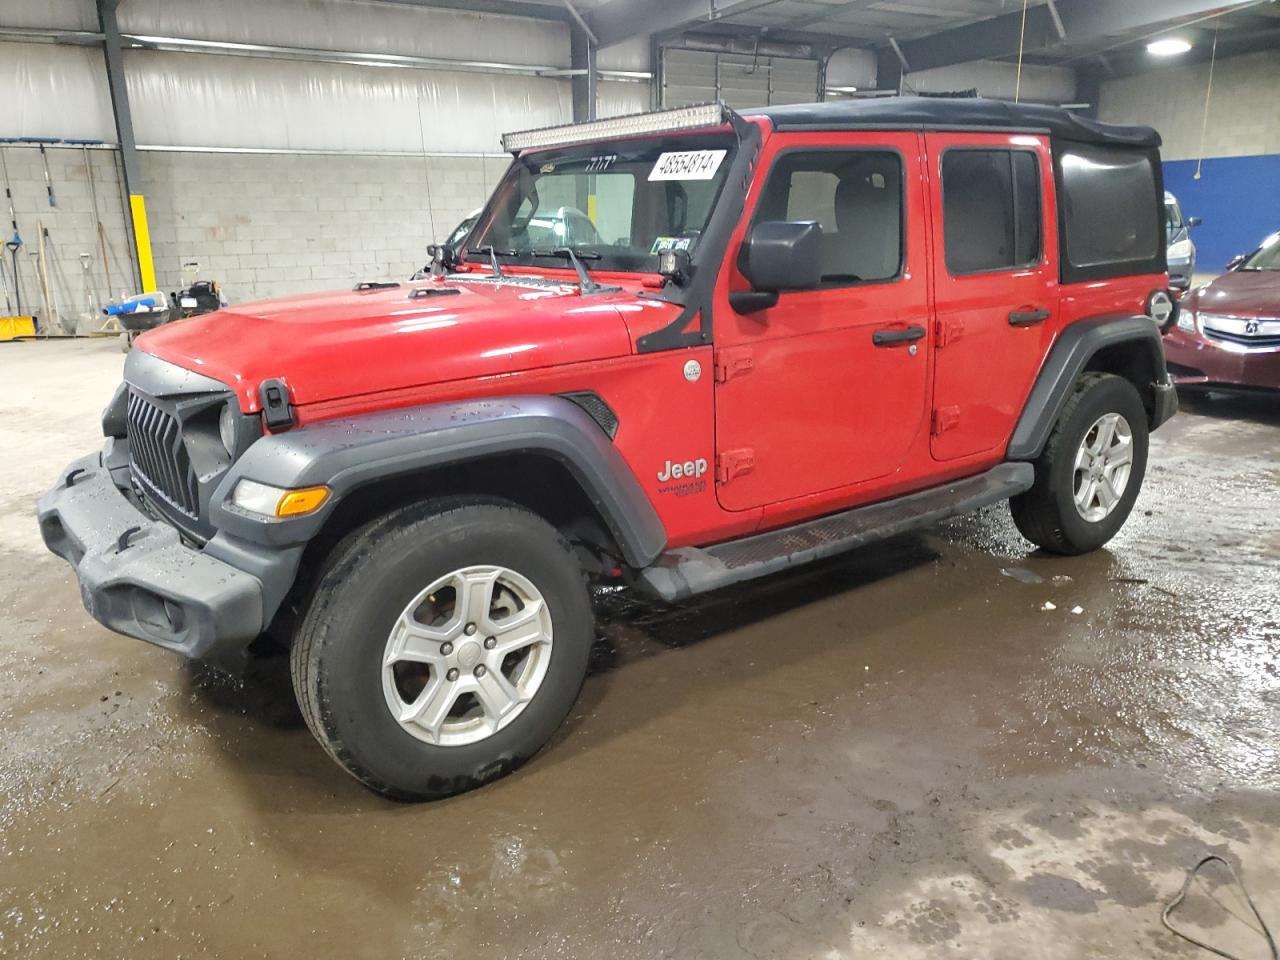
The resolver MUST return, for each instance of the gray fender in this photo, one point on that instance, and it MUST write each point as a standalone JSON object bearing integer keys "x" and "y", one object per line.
{"x": 1068, "y": 358}
{"x": 350, "y": 453}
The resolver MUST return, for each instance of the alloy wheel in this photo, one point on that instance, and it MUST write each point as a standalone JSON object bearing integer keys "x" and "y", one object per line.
{"x": 467, "y": 655}
{"x": 1103, "y": 464}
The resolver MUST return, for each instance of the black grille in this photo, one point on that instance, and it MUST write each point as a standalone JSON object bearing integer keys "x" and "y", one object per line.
{"x": 159, "y": 458}
{"x": 1244, "y": 339}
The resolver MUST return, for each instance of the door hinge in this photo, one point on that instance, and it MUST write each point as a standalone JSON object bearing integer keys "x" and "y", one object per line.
{"x": 734, "y": 463}
{"x": 948, "y": 331}
{"x": 730, "y": 364}
{"x": 944, "y": 418}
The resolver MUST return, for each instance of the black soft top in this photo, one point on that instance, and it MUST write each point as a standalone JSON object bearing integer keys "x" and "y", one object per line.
{"x": 953, "y": 113}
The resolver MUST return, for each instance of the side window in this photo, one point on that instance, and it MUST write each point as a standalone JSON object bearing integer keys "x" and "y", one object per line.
{"x": 1111, "y": 211}
{"x": 856, "y": 195}
{"x": 990, "y": 210}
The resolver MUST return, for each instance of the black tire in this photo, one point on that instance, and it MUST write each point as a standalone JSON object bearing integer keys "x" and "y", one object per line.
{"x": 336, "y": 657}
{"x": 1046, "y": 514}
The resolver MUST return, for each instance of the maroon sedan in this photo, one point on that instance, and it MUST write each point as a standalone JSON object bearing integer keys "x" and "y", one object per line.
{"x": 1228, "y": 331}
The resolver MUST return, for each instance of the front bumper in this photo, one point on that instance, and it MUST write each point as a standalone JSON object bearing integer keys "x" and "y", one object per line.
{"x": 1180, "y": 273}
{"x": 1196, "y": 361}
{"x": 136, "y": 575}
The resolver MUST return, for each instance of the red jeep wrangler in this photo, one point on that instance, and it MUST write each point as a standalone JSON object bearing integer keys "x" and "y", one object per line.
{"x": 682, "y": 350}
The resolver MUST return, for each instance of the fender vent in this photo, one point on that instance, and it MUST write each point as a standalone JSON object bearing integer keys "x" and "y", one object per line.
{"x": 596, "y": 409}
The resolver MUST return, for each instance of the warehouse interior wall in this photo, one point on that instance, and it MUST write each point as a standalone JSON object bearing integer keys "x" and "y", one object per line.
{"x": 276, "y": 176}
{"x": 1241, "y": 145}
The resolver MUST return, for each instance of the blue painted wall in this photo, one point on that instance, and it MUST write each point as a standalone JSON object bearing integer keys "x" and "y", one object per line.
{"x": 1238, "y": 198}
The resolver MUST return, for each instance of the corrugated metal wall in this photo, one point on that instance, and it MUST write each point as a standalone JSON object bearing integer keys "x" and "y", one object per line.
{"x": 215, "y": 100}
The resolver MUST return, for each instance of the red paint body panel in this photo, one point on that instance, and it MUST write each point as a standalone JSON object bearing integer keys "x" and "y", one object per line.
{"x": 985, "y": 370}
{"x": 326, "y": 346}
{"x": 820, "y": 406}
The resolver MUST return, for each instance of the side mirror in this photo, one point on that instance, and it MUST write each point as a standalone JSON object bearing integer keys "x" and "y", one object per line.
{"x": 1193, "y": 222}
{"x": 777, "y": 256}
{"x": 1235, "y": 262}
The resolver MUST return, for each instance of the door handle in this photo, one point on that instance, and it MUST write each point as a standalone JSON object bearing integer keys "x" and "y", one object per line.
{"x": 892, "y": 336}
{"x": 1025, "y": 318}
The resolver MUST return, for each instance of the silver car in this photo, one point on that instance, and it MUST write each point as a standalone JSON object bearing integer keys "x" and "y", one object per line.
{"x": 1181, "y": 253}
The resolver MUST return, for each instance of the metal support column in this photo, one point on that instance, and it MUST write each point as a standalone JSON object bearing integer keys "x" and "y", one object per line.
{"x": 112, "y": 53}
{"x": 582, "y": 56}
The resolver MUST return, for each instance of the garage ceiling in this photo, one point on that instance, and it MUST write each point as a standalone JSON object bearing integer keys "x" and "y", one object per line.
{"x": 1108, "y": 33}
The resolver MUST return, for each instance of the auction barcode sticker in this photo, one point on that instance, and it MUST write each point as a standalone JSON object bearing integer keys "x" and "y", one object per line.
{"x": 687, "y": 165}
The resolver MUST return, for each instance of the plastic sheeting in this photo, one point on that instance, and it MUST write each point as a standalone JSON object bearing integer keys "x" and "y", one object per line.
{"x": 198, "y": 100}
{"x": 49, "y": 14}
{"x": 353, "y": 25}
{"x": 617, "y": 98}
{"x": 54, "y": 91}
{"x": 852, "y": 67}
{"x": 632, "y": 55}
{"x": 1040, "y": 84}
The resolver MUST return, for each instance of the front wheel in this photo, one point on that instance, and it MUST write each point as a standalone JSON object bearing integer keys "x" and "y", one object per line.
{"x": 1091, "y": 470}
{"x": 443, "y": 646}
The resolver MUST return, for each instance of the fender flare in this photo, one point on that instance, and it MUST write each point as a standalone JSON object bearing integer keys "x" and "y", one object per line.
{"x": 1068, "y": 358}
{"x": 350, "y": 453}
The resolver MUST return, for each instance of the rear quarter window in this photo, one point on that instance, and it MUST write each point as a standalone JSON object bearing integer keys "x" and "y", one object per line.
{"x": 1112, "y": 212}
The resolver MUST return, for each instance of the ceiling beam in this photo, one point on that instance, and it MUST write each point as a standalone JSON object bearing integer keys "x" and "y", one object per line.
{"x": 1081, "y": 20}
{"x": 618, "y": 20}
{"x": 510, "y": 8}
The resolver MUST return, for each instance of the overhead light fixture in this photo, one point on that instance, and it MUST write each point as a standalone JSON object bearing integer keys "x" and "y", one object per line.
{"x": 1168, "y": 47}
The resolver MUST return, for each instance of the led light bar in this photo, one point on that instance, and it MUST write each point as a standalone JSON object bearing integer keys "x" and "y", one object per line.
{"x": 658, "y": 121}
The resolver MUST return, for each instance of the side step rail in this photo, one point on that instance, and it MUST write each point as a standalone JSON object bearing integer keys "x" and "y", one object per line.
{"x": 686, "y": 571}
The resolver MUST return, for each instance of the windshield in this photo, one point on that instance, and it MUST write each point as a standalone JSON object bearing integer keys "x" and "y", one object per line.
{"x": 1172, "y": 218}
{"x": 1266, "y": 257}
{"x": 617, "y": 205}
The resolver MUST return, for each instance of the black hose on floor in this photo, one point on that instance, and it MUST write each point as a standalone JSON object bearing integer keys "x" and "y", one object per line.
{"x": 1182, "y": 895}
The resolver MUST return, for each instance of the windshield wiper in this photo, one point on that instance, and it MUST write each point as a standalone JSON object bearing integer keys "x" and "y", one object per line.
{"x": 494, "y": 254}
{"x": 567, "y": 253}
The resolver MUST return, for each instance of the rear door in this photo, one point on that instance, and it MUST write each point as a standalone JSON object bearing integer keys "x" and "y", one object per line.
{"x": 828, "y": 388}
{"x": 996, "y": 284}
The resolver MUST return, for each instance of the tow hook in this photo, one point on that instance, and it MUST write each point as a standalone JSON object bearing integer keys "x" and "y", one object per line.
{"x": 122, "y": 542}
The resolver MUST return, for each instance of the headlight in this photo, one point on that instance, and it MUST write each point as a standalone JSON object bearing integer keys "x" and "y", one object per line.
{"x": 1180, "y": 250}
{"x": 227, "y": 426}
{"x": 277, "y": 502}
{"x": 1187, "y": 320}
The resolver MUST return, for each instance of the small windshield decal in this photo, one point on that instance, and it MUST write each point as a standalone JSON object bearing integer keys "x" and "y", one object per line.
{"x": 662, "y": 244}
{"x": 687, "y": 165}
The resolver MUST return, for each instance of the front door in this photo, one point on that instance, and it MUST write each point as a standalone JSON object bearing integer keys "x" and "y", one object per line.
{"x": 995, "y": 284}
{"x": 827, "y": 388}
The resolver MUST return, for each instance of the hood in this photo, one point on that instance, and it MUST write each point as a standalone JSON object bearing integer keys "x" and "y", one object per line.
{"x": 328, "y": 346}
{"x": 1245, "y": 293}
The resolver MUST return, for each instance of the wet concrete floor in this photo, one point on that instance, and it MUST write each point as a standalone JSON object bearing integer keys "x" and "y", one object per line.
{"x": 900, "y": 753}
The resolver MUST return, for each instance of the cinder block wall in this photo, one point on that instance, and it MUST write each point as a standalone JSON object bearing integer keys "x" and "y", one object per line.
{"x": 1243, "y": 117}
{"x": 271, "y": 224}
{"x": 71, "y": 230}
{"x": 262, "y": 224}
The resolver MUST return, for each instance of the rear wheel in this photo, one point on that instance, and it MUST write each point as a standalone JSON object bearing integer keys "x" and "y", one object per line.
{"x": 444, "y": 645}
{"x": 1091, "y": 470}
